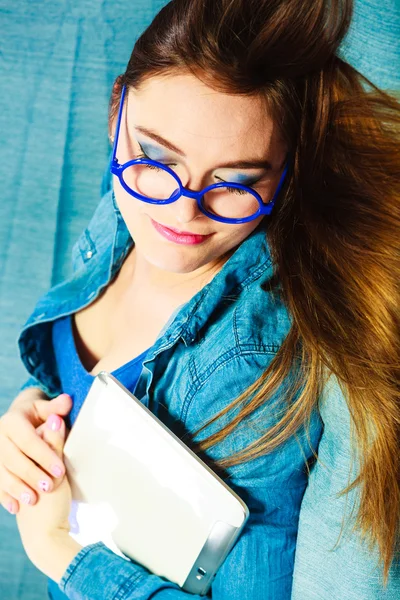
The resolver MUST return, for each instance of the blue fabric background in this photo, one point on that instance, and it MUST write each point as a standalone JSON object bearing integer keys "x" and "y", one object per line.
{"x": 58, "y": 60}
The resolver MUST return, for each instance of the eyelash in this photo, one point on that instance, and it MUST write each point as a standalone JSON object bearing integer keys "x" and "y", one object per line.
{"x": 152, "y": 167}
{"x": 144, "y": 155}
{"x": 237, "y": 191}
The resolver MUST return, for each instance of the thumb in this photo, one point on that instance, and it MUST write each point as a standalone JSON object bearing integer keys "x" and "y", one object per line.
{"x": 53, "y": 432}
{"x": 61, "y": 405}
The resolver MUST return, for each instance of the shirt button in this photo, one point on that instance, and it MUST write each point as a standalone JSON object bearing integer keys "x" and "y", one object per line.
{"x": 89, "y": 254}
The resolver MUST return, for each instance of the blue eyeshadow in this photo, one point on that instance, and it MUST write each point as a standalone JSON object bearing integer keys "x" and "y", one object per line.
{"x": 242, "y": 179}
{"x": 153, "y": 152}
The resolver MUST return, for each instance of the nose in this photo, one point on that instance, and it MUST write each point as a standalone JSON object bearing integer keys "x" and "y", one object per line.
{"x": 185, "y": 210}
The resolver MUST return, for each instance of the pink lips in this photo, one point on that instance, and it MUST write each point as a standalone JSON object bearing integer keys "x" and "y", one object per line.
{"x": 179, "y": 237}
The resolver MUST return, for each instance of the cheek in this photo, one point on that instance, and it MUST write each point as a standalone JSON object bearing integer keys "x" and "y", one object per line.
{"x": 136, "y": 217}
{"x": 132, "y": 209}
{"x": 238, "y": 233}
{"x": 129, "y": 206}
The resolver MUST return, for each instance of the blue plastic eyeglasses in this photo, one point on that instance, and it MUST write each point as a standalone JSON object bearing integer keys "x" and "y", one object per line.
{"x": 156, "y": 183}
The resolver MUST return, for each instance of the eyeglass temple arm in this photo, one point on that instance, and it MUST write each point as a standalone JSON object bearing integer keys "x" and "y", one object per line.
{"x": 121, "y": 106}
{"x": 281, "y": 182}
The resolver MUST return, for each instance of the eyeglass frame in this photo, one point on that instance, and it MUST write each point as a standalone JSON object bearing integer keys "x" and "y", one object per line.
{"x": 117, "y": 169}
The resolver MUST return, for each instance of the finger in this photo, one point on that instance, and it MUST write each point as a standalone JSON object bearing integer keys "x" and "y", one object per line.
{"x": 24, "y": 436}
{"x": 54, "y": 433}
{"x": 41, "y": 430}
{"x": 37, "y": 411}
{"x": 17, "y": 489}
{"x": 22, "y": 467}
{"x": 61, "y": 405}
{"x": 8, "y": 502}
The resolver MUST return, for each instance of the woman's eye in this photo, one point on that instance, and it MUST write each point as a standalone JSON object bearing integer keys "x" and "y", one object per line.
{"x": 237, "y": 191}
{"x": 151, "y": 167}
{"x": 154, "y": 167}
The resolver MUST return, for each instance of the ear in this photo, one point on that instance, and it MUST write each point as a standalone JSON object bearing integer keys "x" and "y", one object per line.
{"x": 113, "y": 107}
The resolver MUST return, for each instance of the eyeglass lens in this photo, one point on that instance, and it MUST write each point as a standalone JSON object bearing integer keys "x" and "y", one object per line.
{"x": 155, "y": 183}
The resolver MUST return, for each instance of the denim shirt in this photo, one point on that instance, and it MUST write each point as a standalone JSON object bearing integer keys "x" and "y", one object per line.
{"x": 212, "y": 349}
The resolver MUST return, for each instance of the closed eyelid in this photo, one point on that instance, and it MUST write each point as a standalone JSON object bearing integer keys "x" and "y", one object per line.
{"x": 243, "y": 179}
{"x": 157, "y": 153}
{"x": 165, "y": 144}
{"x": 159, "y": 140}
{"x": 237, "y": 180}
{"x": 150, "y": 148}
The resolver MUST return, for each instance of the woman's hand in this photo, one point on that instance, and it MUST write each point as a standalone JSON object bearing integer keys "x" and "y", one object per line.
{"x": 27, "y": 464}
{"x": 44, "y": 528}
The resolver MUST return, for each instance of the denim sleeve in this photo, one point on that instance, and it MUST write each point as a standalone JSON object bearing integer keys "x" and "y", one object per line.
{"x": 259, "y": 567}
{"x": 97, "y": 573}
{"x": 33, "y": 382}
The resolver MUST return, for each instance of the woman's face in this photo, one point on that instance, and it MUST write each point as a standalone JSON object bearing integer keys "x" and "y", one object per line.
{"x": 205, "y": 137}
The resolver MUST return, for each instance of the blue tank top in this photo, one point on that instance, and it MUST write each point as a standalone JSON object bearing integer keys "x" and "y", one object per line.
{"x": 75, "y": 379}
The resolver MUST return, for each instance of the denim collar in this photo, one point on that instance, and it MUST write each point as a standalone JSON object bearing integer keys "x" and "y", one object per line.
{"x": 250, "y": 261}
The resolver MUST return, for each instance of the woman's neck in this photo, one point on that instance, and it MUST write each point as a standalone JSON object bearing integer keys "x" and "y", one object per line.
{"x": 176, "y": 287}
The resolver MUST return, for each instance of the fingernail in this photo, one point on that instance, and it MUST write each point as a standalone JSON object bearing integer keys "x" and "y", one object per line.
{"x": 26, "y": 498}
{"x": 56, "y": 471}
{"x": 54, "y": 422}
{"x": 44, "y": 485}
{"x": 10, "y": 508}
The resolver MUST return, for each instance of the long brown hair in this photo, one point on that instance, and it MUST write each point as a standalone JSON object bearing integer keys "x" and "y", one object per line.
{"x": 334, "y": 234}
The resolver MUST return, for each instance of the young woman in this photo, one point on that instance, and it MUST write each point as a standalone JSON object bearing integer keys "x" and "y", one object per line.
{"x": 244, "y": 269}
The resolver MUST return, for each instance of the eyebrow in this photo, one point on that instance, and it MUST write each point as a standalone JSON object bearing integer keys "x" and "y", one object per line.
{"x": 241, "y": 164}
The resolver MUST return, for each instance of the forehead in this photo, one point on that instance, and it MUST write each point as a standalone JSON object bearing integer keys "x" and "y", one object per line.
{"x": 190, "y": 114}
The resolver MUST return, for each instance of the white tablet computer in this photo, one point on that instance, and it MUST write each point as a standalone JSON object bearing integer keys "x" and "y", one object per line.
{"x": 140, "y": 490}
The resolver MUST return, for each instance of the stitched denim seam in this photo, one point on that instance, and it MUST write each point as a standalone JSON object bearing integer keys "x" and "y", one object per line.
{"x": 125, "y": 589}
{"x": 82, "y": 554}
{"x": 245, "y": 350}
{"x": 256, "y": 274}
{"x": 235, "y": 328}
{"x": 217, "y": 365}
{"x": 193, "y": 372}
